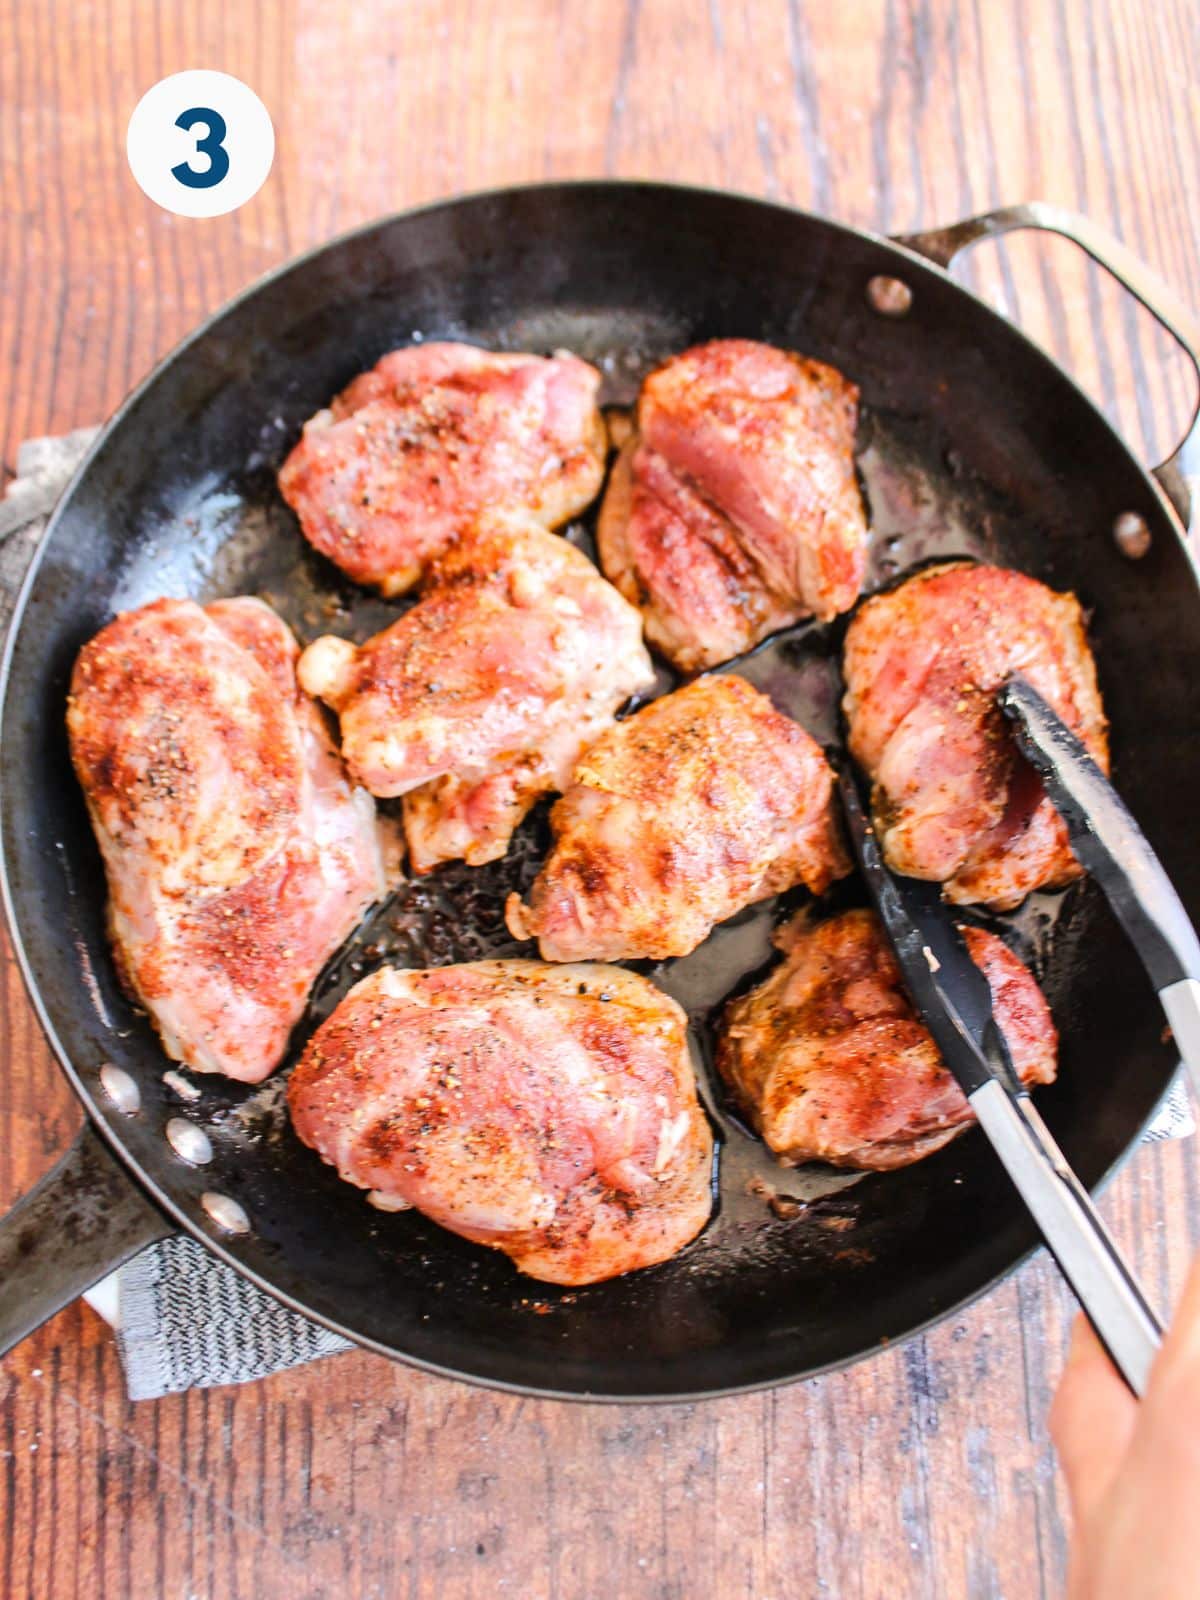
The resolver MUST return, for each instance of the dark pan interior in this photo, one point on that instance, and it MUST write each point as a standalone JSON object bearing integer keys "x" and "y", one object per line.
{"x": 972, "y": 442}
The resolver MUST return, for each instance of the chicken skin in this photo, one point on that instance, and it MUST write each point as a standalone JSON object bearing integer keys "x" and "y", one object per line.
{"x": 404, "y": 460}
{"x": 953, "y": 800}
{"x": 238, "y": 855}
{"x": 703, "y": 802}
{"x": 482, "y": 696}
{"x": 549, "y": 1112}
{"x": 733, "y": 508}
{"x": 830, "y": 1063}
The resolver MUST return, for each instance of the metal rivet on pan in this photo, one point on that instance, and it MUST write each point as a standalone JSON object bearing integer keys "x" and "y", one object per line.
{"x": 225, "y": 1212}
{"x": 1132, "y": 535}
{"x": 120, "y": 1089}
{"x": 891, "y": 297}
{"x": 188, "y": 1141}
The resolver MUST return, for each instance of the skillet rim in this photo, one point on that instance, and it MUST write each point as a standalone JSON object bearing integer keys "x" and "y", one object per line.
{"x": 109, "y": 1129}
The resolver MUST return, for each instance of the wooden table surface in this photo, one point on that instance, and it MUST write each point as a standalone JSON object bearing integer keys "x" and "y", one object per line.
{"x": 926, "y": 1472}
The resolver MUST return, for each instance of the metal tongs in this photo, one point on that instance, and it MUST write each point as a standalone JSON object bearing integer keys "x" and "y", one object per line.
{"x": 1109, "y": 843}
{"x": 954, "y": 1001}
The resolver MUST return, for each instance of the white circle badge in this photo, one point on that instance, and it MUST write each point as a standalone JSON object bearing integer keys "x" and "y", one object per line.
{"x": 200, "y": 143}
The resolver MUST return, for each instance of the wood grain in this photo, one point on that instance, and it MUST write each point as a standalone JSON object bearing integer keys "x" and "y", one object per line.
{"x": 926, "y": 1472}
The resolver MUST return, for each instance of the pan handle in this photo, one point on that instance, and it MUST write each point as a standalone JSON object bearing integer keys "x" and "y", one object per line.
{"x": 1179, "y": 475}
{"x": 83, "y": 1219}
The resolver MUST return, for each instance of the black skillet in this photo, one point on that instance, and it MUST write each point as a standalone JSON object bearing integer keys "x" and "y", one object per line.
{"x": 973, "y": 442}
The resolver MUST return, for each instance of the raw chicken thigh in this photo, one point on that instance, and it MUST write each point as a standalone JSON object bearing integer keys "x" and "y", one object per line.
{"x": 830, "y": 1062}
{"x": 733, "y": 509}
{"x": 404, "y": 460}
{"x": 238, "y": 855}
{"x": 482, "y": 696}
{"x": 549, "y": 1112}
{"x": 702, "y": 802}
{"x": 953, "y": 800}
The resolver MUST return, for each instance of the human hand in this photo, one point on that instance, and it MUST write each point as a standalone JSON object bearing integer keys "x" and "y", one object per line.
{"x": 1133, "y": 1471}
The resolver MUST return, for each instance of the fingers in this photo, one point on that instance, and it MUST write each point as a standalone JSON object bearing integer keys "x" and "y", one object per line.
{"x": 1172, "y": 1406}
{"x": 1091, "y": 1422}
{"x": 1133, "y": 1471}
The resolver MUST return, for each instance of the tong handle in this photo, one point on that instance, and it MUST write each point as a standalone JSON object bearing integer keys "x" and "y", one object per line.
{"x": 1100, "y": 1278}
{"x": 1181, "y": 1002}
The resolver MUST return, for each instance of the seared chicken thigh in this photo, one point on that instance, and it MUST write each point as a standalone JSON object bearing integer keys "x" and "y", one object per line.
{"x": 405, "y": 458}
{"x": 702, "y": 802}
{"x": 830, "y": 1062}
{"x": 953, "y": 800}
{"x": 482, "y": 696}
{"x": 550, "y": 1112}
{"x": 733, "y": 508}
{"x": 238, "y": 855}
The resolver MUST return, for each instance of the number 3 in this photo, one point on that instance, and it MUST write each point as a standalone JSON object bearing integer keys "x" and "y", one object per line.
{"x": 211, "y": 145}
